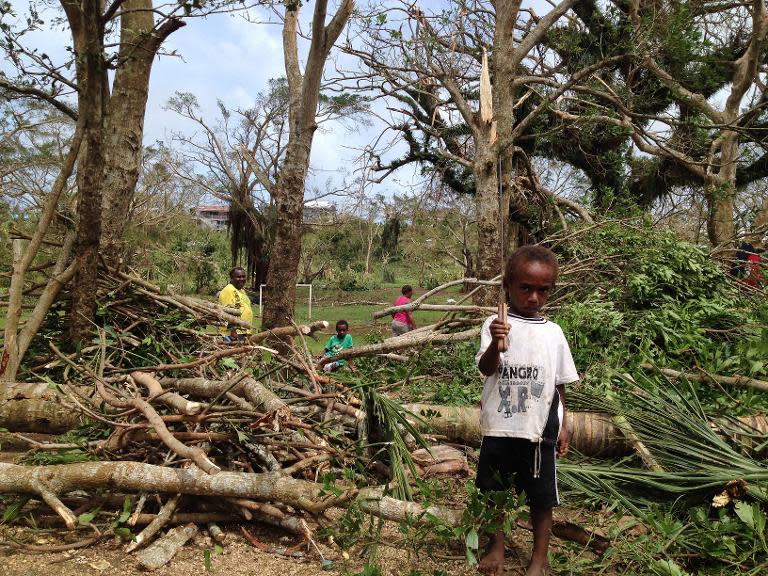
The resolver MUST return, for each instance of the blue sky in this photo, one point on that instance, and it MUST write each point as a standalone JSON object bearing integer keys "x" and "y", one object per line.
{"x": 228, "y": 58}
{"x": 224, "y": 57}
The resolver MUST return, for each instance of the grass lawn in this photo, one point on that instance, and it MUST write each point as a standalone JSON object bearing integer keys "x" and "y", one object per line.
{"x": 357, "y": 308}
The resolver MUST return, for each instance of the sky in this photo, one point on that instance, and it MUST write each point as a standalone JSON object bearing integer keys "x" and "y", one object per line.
{"x": 224, "y": 57}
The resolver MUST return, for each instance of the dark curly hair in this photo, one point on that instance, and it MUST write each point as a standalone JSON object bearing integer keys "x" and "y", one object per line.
{"x": 529, "y": 253}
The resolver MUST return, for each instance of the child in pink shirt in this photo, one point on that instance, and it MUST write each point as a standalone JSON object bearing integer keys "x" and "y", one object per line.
{"x": 402, "y": 322}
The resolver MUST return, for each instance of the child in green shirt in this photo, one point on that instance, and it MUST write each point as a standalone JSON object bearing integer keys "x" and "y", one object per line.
{"x": 339, "y": 341}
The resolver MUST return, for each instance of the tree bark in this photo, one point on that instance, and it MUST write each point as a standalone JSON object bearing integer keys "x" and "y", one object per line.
{"x": 87, "y": 33}
{"x": 124, "y": 122}
{"x": 289, "y": 194}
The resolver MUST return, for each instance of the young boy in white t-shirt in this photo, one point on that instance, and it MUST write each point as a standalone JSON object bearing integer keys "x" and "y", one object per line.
{"x": 523, "y": 401}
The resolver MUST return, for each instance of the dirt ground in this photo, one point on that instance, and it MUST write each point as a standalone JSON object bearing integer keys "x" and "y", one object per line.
{"x": 239, "y": 558}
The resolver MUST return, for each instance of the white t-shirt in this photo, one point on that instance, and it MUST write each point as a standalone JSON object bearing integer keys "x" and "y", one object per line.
{"x": 517, "y": 398}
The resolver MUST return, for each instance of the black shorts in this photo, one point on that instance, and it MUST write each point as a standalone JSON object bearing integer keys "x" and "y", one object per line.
{"x": 504, "y": 461}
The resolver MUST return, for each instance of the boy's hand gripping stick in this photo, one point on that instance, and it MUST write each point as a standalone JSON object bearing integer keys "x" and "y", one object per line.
{"x": 501, "y": 343}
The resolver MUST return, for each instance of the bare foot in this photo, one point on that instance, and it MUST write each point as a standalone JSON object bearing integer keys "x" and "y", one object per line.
{"x": 537, "y": 569}
{"x": 492, "y": 564}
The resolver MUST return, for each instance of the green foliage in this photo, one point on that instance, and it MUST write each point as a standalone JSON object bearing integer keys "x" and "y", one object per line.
{"x": 390, "y": 236}
{"x": 652, "y": 297}
{"x": 186, "y": 257}
{"x": 350, "y": 280}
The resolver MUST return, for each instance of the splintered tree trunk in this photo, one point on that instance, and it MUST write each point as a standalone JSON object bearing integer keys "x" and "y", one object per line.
{"x": 86, "y": 25}
{"x": 488, "y": 237}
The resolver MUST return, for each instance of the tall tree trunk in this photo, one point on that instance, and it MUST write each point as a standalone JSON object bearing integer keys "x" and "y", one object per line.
{"x": 286, "y": 252}
{"x": 494, "y": 144}
{"x": 304, "y": 95}
{"x": 124, "y": 123}
{"x": 86, "y": 25}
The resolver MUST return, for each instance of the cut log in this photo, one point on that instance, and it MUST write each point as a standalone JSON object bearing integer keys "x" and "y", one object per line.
{"x": 38, "y": 415}
{"x": 591, "y": 433}
{"x": 160, "y": 553}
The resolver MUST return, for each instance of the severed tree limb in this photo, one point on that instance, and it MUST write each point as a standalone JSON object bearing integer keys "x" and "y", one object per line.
{"x": 401, "y": 343}
{"x": 216, "y": 533}
{"x": 263, "y": 508}
{"x": 742, "y": 381}
{"x": 417, "y": 303}
{"x": 170, "y": 399}
{"x": 160, "y": 520}
{"x": 374, "y": 501}
{"x": 260, "y": 396}
{"x": 160, "y": 553}
{"x": 39, "y": 487}
{"x": 435, "y": 307}
{"x": 268, "y": 486}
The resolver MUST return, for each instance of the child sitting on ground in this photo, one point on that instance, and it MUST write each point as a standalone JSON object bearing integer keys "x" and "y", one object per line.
{"x": 523, "y": 401}
{"x": 339, "y": 341}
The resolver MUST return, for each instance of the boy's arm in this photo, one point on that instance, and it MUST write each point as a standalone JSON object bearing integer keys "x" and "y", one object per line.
{"x": 489, "y": 361}
{"x": 562, "y": 439}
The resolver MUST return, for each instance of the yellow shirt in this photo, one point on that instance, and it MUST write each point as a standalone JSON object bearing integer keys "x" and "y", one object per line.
{"x": 231, "y": 297}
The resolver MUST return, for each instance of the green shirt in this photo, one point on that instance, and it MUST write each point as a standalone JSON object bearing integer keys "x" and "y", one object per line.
{"x": 335, "y": 344}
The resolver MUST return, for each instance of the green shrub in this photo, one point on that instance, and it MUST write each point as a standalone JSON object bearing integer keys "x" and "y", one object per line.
{"x": 352, "y": 281}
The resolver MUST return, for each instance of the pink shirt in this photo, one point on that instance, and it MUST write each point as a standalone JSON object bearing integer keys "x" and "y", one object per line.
{"x": 401, "y": 316}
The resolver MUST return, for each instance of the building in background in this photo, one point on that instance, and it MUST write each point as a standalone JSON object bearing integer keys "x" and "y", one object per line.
{"x": 216, "y": 217}
{"x": 318, "y": 211}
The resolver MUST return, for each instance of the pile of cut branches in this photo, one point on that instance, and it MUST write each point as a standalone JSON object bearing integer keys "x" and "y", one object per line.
{"x": 181, "y": 428}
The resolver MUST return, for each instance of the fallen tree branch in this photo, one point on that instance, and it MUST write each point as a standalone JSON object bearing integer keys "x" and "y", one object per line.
{"x": 268, "y": 486}
{"x": 401, "y": 343}
{"x": 157, "y": 523}
{"x": 742, "y": 381}
{"x": 160, "y": 553}
{"x": 170, "y": 399}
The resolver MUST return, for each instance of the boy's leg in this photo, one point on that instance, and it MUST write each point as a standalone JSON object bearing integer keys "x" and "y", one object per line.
{"x": 494, "y": 474}
{"x": 541, "y": 519}
{"x": 492, "y": 563}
